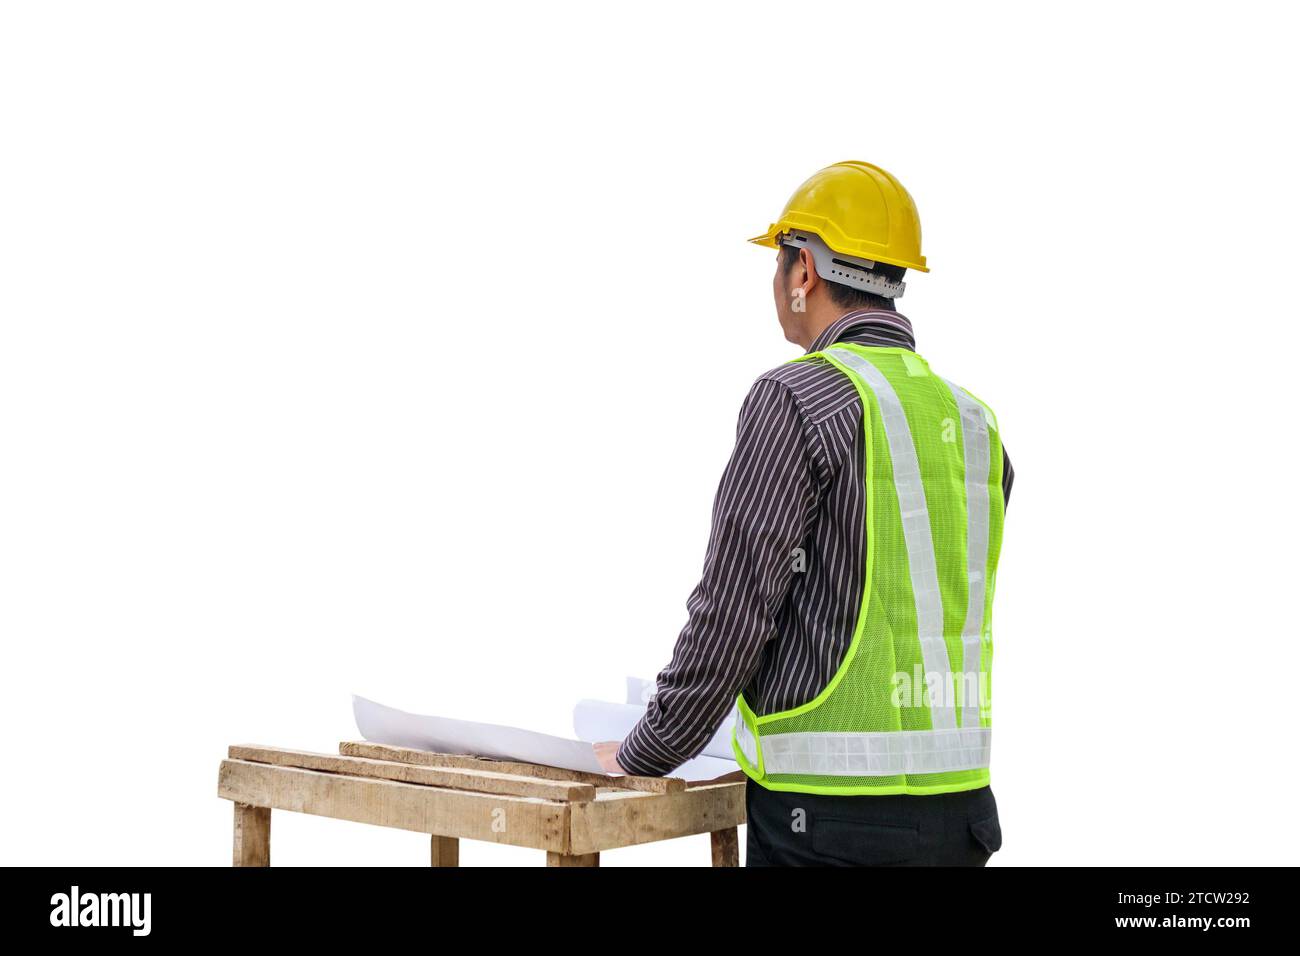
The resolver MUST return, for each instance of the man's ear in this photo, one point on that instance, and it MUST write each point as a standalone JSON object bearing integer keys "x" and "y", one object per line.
{"x": 808, "y": 266}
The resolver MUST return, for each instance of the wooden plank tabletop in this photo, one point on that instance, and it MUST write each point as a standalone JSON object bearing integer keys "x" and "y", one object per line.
{"x": 483, "y": 781}
{"x": 356, "y": 748}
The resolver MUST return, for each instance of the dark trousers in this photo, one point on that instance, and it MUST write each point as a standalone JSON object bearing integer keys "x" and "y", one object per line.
{"x": 807, "y": 829}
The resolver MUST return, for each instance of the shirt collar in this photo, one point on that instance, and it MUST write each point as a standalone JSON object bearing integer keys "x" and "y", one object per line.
{"x": 868, "y": 327}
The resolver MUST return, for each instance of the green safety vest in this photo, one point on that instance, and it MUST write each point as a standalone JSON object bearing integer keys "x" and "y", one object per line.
{"x": 907, "y": 711}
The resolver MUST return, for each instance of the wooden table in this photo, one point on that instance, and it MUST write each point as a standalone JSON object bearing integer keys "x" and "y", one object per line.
{"x": 571, "y": 815}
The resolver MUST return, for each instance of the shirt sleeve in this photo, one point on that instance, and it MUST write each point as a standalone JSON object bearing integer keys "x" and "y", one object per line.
{"x": 763, "y": 511}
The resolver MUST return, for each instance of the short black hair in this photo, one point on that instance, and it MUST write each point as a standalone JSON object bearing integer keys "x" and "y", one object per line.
{"x": 847, "y": 297}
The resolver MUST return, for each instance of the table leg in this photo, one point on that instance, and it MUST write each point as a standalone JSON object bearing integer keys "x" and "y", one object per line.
{"x": 252, "y": 835}
{"x": 444, "y": 851}
{"x": 579, "y": 859}
{"x": 726, "y": 847}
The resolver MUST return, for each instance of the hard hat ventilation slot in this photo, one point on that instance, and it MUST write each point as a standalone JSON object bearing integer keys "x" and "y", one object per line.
{"x": 864, "y": 270}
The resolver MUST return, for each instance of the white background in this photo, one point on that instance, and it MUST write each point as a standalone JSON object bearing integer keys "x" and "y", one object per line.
{"x": 398, "y": 348}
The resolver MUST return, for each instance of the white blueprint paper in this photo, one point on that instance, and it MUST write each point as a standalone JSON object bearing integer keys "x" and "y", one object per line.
{"x": 593, "y": 721}
{"x": 387, "y": 725}
{"x": 702, "y": 768}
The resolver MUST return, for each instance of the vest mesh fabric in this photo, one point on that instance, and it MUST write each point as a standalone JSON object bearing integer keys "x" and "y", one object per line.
{"x": 862, "y": 694}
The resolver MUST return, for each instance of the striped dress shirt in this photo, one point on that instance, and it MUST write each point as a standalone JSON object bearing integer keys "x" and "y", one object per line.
{"x": 777, "y": 604}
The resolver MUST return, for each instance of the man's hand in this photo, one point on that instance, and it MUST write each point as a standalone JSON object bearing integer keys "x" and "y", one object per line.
{"x": 607, "y": 754}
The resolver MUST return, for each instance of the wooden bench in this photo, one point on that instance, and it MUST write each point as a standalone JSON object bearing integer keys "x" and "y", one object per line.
{"x": 571, "y": 815}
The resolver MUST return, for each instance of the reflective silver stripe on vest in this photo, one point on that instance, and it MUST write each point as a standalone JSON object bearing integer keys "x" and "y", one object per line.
{"x": 916, "y": 536}
{"x": 745, "y": 738}
{"x": 975, "y": 441}
{"x": 878, "y": 754}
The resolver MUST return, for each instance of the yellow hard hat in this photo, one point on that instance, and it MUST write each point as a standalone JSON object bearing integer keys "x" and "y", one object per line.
{"x": 858, "y": 210}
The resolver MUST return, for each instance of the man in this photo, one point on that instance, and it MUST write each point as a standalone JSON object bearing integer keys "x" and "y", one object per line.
{"x": 848, "y": 585}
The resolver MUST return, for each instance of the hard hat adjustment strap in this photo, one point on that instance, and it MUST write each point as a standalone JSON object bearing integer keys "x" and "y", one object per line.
{"x": 852, "y": 271}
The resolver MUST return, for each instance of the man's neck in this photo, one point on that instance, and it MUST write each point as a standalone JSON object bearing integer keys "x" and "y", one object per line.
{"x": 871, "y": 326}
{"x": 828, "y": 317}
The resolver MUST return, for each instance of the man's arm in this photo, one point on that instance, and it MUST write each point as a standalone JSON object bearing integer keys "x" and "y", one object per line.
{"x": 765, "y": 502}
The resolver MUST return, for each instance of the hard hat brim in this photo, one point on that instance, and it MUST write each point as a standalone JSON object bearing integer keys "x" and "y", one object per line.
{"x": 837, "y": 243}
